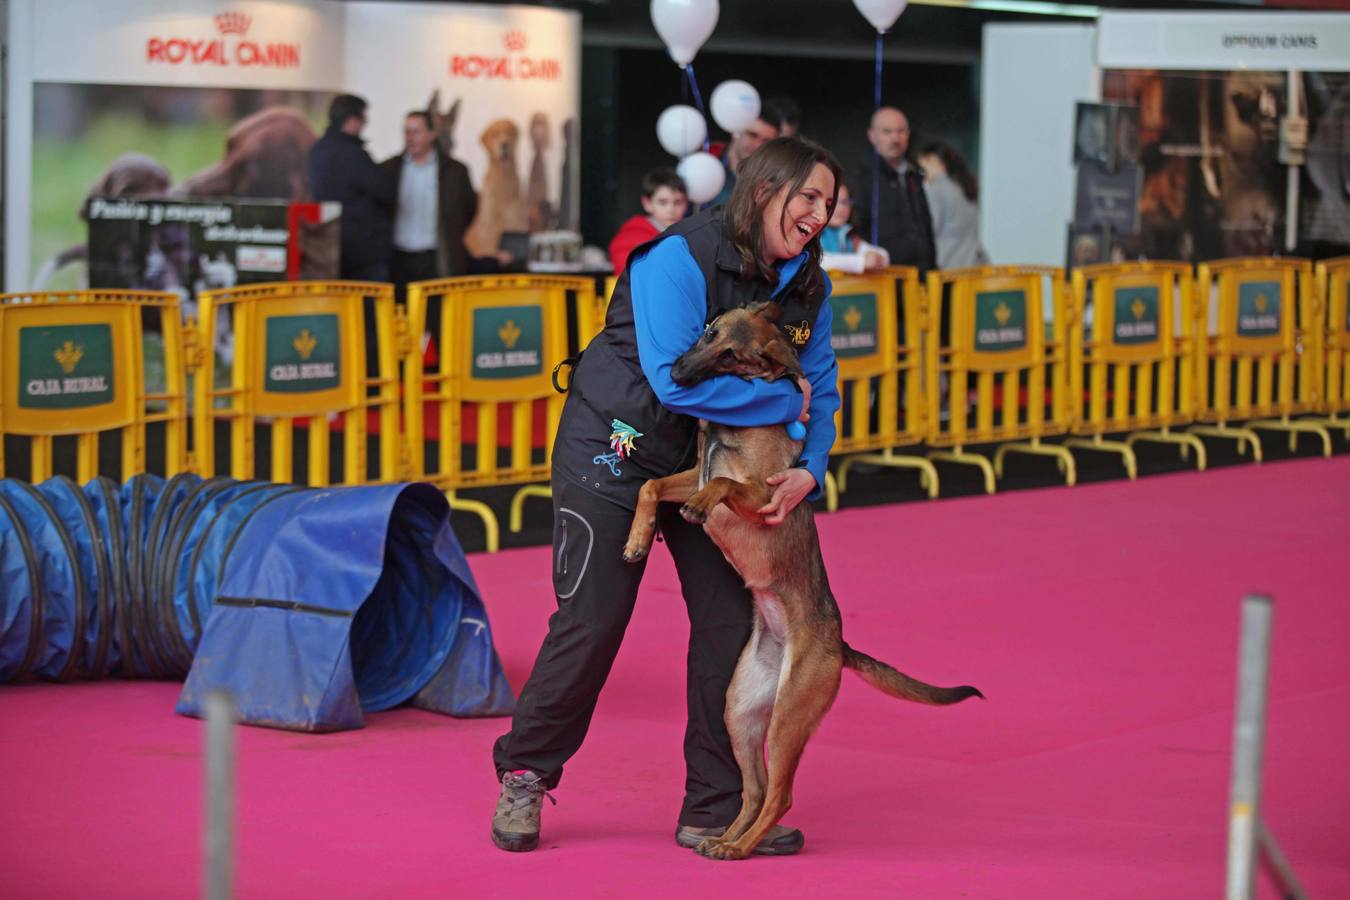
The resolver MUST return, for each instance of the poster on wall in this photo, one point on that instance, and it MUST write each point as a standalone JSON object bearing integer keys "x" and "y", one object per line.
{"x": 503, "y": 86}
{"x": 98, "y": 143}
{"x": 1213, "y": 185}
{"x": 1324, "y": 220}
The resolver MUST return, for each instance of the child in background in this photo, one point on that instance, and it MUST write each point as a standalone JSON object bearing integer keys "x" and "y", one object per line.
{"x": 845, "y": 252}
{"x": 664, "y": 202}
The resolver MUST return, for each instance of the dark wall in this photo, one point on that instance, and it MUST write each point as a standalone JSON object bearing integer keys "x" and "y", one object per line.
{"x": 624, "y": 90}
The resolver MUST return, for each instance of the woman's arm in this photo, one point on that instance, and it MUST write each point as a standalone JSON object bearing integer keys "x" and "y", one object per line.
{"x": 670, "y": 304}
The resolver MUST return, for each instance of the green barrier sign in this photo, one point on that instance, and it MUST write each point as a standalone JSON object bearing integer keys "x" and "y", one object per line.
{"x": 1136, "y": 319}
{"x": 853, "y": 331}
{"x": 304, "y": 354}
{"x": 1000, "y": 320}
{"x": 65, "y": 366}
{"x": 1259, "y": 308}
{"x": 508, "y": 341}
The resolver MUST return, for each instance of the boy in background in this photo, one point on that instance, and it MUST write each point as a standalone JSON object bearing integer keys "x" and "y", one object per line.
{"x": 664, "y": 202}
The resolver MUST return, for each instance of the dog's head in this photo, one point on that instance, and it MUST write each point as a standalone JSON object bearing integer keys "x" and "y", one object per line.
{"x": 266, "y": 156}
{"x": 500, "y": 139}
{"x": 443, "y": 123}
{"x": 745, "y": 342}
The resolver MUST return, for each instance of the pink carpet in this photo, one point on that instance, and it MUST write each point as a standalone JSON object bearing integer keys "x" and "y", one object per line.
{"x": 1101, "y": 621}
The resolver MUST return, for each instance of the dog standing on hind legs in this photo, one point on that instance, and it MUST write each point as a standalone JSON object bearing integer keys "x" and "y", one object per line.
{"x": 789, "y": 672}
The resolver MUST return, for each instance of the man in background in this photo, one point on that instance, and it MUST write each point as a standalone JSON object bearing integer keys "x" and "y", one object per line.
{"x": 341, "y": 170}
{"x": 435, "y": 204}
{"x": 904, "y": 224}
{"x": 768, "y": 126}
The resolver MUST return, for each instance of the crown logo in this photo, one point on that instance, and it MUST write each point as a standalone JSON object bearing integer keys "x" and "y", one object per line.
{"x": 515, "y": 41}
{"x": 1261, "y": 303}
{"x": 852, "y": 318}
{"x": 233, "y": 23}
{"x": 305, "y": 343}
{"x": 509, "y": 333}
{"x": 69, "y": 356}
{"x": 1138, "y": 308}
{"x": 1003, "y": 313}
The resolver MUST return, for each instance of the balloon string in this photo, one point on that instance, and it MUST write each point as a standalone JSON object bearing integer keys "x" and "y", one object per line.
{"x": 876, "y": 156}
{"x": 698, "y": 101}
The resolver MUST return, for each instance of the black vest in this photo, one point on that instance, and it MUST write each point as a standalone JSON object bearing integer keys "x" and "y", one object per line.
{"x": 608, "y": 385}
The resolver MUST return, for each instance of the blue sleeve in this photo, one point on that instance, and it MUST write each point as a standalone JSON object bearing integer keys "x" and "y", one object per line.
{"x": 822, "y": 370}
{"x": 669, "y": 308}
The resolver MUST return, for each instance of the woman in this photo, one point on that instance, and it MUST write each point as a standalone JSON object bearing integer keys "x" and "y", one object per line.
{"x": 952, "y": 194}
{"x": 626, "y": 421}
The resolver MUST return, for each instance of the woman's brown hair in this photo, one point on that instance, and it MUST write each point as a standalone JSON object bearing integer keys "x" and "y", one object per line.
{"x": 779, "y": 162}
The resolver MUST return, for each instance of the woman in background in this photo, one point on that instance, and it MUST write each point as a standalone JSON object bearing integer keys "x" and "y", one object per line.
{"x": 952, "y": 196}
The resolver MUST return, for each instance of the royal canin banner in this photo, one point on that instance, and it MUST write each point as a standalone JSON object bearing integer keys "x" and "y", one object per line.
{"x": 203, "y": 43}
{"x": 507, "y": 87}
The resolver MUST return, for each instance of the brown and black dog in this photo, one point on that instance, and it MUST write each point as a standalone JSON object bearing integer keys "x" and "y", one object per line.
{"x": 788, "y": 673}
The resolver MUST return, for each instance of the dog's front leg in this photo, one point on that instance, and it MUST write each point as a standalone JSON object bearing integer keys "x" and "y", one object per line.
{"x": 675, "y": 488}
{"x": 743, "y": 498}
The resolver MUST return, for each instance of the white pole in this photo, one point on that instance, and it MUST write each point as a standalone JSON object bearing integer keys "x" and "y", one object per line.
{"x": 1244, "y": 813}
{"x": 218, "y": 827}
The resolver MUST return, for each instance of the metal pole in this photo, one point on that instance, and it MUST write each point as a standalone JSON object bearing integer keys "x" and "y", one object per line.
{"x": 1244, "y": 815}
{"x": 218, "y": 827}
{"x": 1278, "y": 867}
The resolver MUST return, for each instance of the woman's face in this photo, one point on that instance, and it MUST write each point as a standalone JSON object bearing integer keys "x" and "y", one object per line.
{"x": 791, "y": 222}
{"x": 932, "y": 166}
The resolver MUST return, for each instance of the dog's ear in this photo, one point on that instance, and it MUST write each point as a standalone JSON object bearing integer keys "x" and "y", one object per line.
{"x": 767, "y": 309}
{"x": 781, "y": 358}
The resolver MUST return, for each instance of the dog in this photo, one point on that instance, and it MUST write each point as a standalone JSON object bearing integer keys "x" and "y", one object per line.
{"x": 266, "y": 158}
{"x": 443, "y": 123}
{"x": 501, "y": 202}
{"x": 788, "y": 674}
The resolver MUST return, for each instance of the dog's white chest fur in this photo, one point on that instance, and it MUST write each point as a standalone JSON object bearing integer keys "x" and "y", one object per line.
{"x": 769, "y": 607}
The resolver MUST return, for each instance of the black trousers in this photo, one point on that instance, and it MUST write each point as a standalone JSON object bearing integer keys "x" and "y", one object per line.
{"x": 596, "y": 591}
{"x": 407, "y": 267}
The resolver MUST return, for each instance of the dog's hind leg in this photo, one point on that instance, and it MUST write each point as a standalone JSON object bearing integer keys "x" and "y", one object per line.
{"x": 675, "y": 488}
{"x": 749, "y": 709}
{"x": 806, "y": 690}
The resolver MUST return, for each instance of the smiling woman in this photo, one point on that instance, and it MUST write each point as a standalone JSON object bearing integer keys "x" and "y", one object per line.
{"x": 763, "y": 248}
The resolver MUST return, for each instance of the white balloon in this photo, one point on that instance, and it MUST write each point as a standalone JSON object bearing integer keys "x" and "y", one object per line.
{"x": 734, "y": 105}
{"x": 703, "y": 176}
{"x": 681, "y": 130}
{"x": 684, "y": 25}
{"x": 881, "y": 13}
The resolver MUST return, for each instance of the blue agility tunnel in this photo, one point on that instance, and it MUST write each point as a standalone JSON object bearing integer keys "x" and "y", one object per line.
{"x": 308, "y": 605}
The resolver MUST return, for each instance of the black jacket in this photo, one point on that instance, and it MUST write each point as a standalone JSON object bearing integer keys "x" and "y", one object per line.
{"x": 905, "y": 227}
{"x": 341, "y": 170}
{"x": 456, "y": 205}
{"x": 608, "y": 382}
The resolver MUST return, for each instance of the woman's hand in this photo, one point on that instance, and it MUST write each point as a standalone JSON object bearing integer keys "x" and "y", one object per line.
{"x": 790, "y": 488}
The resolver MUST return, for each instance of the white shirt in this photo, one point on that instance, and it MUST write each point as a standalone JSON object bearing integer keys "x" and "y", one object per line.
{"x": 415, "y": 216}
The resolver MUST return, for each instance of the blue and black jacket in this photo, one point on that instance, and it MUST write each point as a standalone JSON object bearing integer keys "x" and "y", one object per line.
{"x": 625, "y": 421}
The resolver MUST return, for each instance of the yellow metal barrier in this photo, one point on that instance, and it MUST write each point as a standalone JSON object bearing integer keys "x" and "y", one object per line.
{"x": 988, "y": 325}
{"x": 878, "y": 340}
{"x": 1258, "y": 362}
{"x": 300, "y": 353}
{"x": 74, "y": 365}
{"x": 1333, "y": 344}
{"x": 500, "y": 340}
{"x": 1138, "y": 360}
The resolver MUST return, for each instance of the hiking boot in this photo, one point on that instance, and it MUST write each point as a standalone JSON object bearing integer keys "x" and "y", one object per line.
{"x": 780, "y": 841}
{"x": 515, "y": 824}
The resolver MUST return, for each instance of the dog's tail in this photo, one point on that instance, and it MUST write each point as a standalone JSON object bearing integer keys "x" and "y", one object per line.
{"x": 899, "y": 685}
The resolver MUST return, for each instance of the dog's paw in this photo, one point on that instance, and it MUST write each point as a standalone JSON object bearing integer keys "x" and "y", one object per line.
{"x": 635, "y": 552}
{"x": 716, "y": 848}
{"x": 694, "y": 514}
